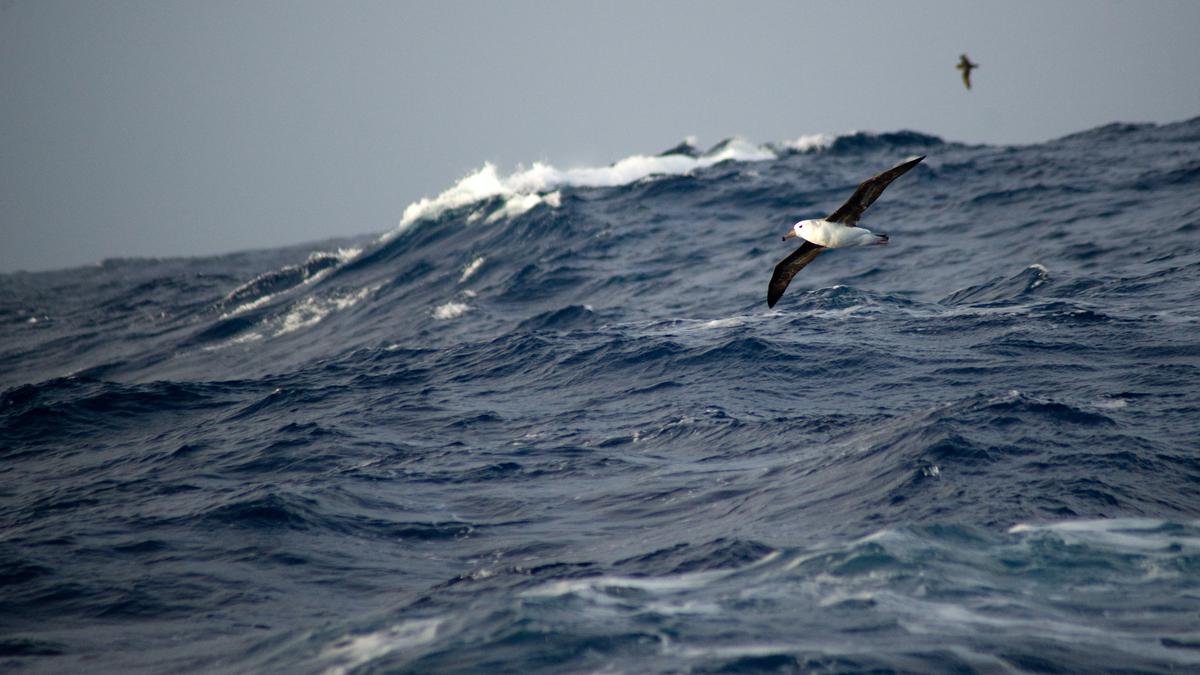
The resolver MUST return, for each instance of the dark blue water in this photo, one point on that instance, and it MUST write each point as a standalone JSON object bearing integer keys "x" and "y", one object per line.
{"x": 549, "y": 424}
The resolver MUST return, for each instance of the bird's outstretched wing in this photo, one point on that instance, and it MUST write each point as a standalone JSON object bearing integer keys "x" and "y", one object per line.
{"x": 965, "y": 65}
{"x": 787, "y": 268}
{"x": 868, "y": 192}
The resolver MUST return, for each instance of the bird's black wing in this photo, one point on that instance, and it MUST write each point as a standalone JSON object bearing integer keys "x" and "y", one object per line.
{"x": 787, "y": 268}
{"x": 868, "y": 192}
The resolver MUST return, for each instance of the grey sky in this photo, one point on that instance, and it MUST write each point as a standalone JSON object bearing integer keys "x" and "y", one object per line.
{"x": 150, "y": 128}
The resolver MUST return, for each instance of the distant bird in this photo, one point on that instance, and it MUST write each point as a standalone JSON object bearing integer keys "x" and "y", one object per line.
{"x": 965, "y": 65}
{"x": 836, "y": 231}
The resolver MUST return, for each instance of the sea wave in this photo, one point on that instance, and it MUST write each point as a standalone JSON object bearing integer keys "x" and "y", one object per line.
{"x": 548, "y": 423}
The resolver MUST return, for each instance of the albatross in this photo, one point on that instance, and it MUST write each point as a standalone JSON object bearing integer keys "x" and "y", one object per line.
{"x": 838, "y": 230}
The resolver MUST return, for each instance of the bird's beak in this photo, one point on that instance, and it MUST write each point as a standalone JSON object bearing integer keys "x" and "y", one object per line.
{"x": 789, "y": 235}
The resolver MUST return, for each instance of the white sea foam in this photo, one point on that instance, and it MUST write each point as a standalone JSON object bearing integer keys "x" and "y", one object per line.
{"x": 471, "y": 268}
{"x": 246, "y": 307}
{"x": 520, "y": 203}
{"x": 683, "y": 608}
{"x": 355, "y": 651}
{"x": 307, "y": 313}
{"x": 811, "y": 142}
{"x": 596, "y": 587}
{"x": 926, "y": 616}
{"x": 314, "y": 309}
{"x": 593, "y": 587}
{"x": 839, "y": 596}
{"x": 450, "y": 310}
{"x": 1142, "y": 535}
{"x": 252, "y": 336}
{"x": 342, "y": 255}
{"x": 1043, "y": 274}
{"x": 937, "y": 618}
{"x": 755, "y": 650}
{"x": 1100, "y": 525}
{"x": 527, "y": 188}
{"x": 731, "y": 322}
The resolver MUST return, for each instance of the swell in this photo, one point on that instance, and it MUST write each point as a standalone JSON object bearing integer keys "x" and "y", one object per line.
{"x": 551, "y": 423}
{"x": 912, "y": 591}
{"x": 610, "y": 238}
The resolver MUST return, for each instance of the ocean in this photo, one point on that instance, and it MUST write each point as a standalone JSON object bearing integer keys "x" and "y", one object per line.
{"x": 548, "y": 424}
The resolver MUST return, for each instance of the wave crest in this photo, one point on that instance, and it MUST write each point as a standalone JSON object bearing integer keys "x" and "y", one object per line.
{"x": 526, "y": 188}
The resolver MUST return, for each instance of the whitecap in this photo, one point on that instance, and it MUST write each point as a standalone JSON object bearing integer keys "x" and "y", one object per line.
{"x": 313, "y": 310}
{"x": 731, "y": 322}
{"x": 252, "y": 336}
{"x": 1143, "y": 535}
{"x": 303, "y": 314}
{"x": 246, "y": 307}
{"x": 596, "y": 588}
{"x": 811, "y": 142}
{"x": 360, "y": 649}
{"x": 471, "y": 268}
{"x": 450, "y": 310}
{"x": 526, "y": 188}
{"x": 1042, "y": 275}
{"x": 323, "y": 262}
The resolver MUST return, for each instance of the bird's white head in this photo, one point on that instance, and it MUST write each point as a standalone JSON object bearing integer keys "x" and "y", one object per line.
{"x": 795, "y": 231}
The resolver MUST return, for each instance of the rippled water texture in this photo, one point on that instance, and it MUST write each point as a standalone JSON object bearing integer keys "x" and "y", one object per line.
{"x": 549, "y": 424}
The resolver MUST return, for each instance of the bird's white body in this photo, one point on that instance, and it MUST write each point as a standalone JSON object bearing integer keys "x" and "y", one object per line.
{"x": 837, "y": 230}
{"x": 836, "y": 235}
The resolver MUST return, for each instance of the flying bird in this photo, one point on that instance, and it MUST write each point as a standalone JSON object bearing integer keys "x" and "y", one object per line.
{"x": 965, "y": 65}
{"x": 835, "y": 231}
